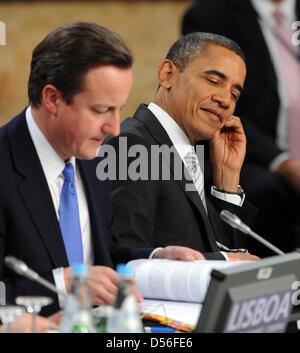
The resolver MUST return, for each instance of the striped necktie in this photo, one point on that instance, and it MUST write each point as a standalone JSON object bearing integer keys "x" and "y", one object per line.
{"x": 194, "y": 169}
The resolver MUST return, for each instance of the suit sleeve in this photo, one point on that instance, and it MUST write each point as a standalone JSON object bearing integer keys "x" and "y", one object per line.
{"x": 230, "y": 237}
{"x": 134, "y": 205}
{"x": 18, "y": 286}
{"x": 136, "y": 209}
{"x": 122, "y": 252}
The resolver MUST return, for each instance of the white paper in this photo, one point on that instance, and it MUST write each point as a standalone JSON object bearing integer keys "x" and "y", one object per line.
{"x": 175, "y": 280}
{"x": 182, "y": 312}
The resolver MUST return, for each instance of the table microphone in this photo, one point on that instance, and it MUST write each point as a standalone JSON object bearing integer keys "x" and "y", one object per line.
{"x": 22, "y": 269}
{"x": 236, "y": 223}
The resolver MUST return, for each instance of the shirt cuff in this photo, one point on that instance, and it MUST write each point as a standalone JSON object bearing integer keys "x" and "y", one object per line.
{"x": 234, "y": 198}
{"x": 225, "y": 255}
{"x": 278, "y": 160}
{"x": 153, "y": 253}
{"x": 59, "y": 281}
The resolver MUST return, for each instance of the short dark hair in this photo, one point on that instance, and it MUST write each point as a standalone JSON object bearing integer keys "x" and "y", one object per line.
{"x": 189, "y": 46}
{"x": 68, "y": 53}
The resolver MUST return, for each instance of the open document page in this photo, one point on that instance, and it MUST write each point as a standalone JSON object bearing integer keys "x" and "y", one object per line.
{"x": 175, "y": 280}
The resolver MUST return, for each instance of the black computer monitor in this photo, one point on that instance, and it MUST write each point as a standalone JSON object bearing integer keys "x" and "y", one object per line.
{"x": 261, "y": 296}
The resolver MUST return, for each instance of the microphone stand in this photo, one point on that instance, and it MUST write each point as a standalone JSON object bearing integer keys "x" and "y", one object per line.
{"x": 22, "y": 269}
{"x": 236, "y": 223}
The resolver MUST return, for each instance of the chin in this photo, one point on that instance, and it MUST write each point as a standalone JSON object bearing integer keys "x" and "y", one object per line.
{"x": 87, "y": 155}
{"x": 90, "y": 156}
{"x": 204, "y": 136}
{"x": 209, "y": 134}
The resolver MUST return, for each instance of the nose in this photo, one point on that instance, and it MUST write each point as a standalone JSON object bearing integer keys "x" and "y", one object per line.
{"x": 112, "y": 125}
{"x": 223, "y": 98}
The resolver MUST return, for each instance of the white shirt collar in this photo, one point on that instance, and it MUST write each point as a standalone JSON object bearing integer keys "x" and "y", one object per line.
{"x": 265, "y": 9}
{"x": 174, "y": 131}
{"x": 51, "y": 163}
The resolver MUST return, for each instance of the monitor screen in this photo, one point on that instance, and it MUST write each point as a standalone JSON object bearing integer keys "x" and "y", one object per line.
{"x": 261, "y": 296}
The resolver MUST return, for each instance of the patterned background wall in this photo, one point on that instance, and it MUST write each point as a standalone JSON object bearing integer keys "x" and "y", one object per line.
{"x": 149, "y": 27}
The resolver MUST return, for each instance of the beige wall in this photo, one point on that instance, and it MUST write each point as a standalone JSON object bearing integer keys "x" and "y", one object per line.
{"x": 148, "y": 27}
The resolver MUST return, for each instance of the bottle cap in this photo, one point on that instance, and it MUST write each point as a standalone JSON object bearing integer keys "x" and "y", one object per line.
{"x": 79, "y": 269}
{"x": 125, "y": 271}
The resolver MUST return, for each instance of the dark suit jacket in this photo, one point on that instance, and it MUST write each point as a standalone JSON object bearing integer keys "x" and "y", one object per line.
{"x": 161, "y": 212}
{"x": 29, "y": 228}
{"x": 258, "y": 106}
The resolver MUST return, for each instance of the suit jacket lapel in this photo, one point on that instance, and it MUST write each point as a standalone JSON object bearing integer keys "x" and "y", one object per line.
{"x": 161, "y": 137}
{"x": 94, "y": 193}
{"x": 35, "y": 192}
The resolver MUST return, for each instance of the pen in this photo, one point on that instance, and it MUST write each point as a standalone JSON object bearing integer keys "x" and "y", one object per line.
{"x": 174, "y": 324}
{"x": 156, "y": 329}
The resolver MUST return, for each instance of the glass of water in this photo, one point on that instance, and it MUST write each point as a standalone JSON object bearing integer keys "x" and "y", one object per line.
{"x": 8, "y": 315}
{"x": 33, "y": 305}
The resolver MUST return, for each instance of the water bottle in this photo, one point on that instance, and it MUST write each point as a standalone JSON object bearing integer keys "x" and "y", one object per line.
{"x": 101, "y": 316}
{"x": 78, "y": 316}
{"x": 125, "y": 317}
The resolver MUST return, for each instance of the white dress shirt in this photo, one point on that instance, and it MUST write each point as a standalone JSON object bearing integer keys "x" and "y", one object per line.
{"x": 265, "y": 9}
{"x": 53, "y": 167}
{"x": 183, "y": 146}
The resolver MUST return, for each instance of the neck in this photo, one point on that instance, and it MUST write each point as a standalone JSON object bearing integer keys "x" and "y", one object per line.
{"x": 43, "y": 121}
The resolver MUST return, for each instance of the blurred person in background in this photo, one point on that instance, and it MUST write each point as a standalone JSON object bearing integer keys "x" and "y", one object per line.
{"x": 200, "y": 82}
{"x": 269, "y": 106}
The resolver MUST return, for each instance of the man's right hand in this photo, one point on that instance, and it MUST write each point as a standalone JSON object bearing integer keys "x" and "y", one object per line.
{"x": 103, "y": 284}
{"x": 23, "y": 324}
{"x": 102, "y": 281}
{"x": 241, "y": 256}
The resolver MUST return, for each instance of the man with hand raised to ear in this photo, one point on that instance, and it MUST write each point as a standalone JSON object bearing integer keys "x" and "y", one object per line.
{"x": 200, "y": 82}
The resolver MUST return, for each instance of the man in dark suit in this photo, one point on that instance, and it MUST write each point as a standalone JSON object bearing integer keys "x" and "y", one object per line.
{"x": 199, "y": 83}
{"x": 271, "y": 174}
{"x": 53, "y": 210}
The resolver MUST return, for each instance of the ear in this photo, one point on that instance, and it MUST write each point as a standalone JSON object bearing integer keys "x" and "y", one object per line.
{"x": 166, "y": 73}
{"x": 50, "y": 98}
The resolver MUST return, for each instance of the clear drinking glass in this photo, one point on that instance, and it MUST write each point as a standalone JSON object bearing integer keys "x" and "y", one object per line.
{"x": 8, "y": 314}
{"x": 33, "y": 306}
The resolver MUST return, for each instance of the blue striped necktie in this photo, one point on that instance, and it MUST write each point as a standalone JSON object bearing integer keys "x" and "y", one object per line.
{"x": 69, "y": 217}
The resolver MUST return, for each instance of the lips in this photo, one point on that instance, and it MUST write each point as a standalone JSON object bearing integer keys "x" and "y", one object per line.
{"x": 98, "y": 141}
{"x": 215, "y": 113}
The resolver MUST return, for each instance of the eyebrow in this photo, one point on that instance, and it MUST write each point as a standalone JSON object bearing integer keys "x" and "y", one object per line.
{"x": 223, "y": 77}
{"x": 103, "y": 105}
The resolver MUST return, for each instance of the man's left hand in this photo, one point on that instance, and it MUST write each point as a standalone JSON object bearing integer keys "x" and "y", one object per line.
{"x": 227, "y": 153}
{"x": 178, "y": 253}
